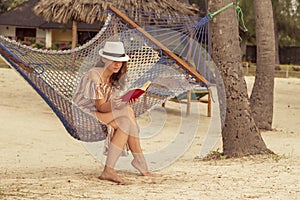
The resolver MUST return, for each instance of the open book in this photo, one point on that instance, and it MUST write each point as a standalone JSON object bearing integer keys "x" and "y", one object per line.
{"x": 136, "y": 92}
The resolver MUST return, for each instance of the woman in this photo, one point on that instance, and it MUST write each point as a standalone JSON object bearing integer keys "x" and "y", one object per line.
{"x": 98, "y": 94}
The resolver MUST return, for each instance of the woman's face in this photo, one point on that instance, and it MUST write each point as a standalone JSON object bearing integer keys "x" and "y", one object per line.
{"x": 113, "y": 66}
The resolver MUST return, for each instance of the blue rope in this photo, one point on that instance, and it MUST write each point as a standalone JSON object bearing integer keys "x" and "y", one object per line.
{"x": 203, "y": 21}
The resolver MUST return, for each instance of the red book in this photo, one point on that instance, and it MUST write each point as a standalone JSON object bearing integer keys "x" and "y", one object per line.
{"x": 136, "y": 92}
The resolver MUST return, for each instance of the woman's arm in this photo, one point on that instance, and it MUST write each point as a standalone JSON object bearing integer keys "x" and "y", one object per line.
{"x": 103, "y": 106}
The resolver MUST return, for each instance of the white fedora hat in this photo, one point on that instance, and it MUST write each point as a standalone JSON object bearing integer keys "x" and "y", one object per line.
{"x": 114, "y": 51}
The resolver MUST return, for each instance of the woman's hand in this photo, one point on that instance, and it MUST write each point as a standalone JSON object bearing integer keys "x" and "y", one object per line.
{"x": 132, "y": 101}
{"x": 117, "y": 103}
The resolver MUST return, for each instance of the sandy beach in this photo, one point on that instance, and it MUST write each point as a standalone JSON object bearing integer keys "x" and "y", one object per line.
{"x": 40, "y": 160}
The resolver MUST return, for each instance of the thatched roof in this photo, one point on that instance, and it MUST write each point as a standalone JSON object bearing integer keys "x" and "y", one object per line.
{"x": 89, "y": 10}
{"x": 168, "y": 7}
{"x": 68, "y": 10}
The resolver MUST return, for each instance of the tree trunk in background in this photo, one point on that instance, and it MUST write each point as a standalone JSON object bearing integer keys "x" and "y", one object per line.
{"x": 240, "y": 134}
{"x": 262, "y": 95}
{"x": 277, "y": 61}
{"x": 243, "y": 45}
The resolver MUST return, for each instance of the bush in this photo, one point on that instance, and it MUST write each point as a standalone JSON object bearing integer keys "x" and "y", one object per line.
{"x": 39, "y": 45}
{"x": 55, "y": 46}
{"x": 296, "y": 68}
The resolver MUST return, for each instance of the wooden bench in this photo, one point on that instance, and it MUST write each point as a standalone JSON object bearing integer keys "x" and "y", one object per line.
{"x": 200, "y": 95}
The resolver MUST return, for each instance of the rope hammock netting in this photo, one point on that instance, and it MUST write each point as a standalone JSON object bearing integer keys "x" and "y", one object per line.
{"x": 172, "y": 52}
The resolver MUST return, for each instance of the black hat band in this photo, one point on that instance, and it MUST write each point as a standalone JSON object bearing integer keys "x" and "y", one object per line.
{"x": 113, "y": 54}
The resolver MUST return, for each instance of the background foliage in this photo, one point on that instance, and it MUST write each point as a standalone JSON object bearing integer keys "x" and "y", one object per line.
{"x": 6, "y": 5}
{"x": 286, "y": 18}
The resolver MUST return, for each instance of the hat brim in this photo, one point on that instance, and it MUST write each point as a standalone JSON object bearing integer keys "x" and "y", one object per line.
{"x": 120, "y": 59}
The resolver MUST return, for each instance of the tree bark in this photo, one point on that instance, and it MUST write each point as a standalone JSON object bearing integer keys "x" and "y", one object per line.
{"x": 262, "y": 95}
{"x": 240, "y": 135}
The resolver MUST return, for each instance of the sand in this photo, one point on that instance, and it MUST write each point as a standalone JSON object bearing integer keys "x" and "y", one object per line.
{"x": 39, "y": 160}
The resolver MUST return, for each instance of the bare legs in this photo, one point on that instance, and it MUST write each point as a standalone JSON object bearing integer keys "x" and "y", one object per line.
{"x": 139, "y": 161}
{"x": 115, "y": 150}
{"x": 126, "y": 132}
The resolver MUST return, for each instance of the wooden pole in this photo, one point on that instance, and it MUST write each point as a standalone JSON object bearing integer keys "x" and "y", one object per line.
{"x": 74, "y": 34}
{"x": 16, "y": 60}
{"x": 164, "y": 49}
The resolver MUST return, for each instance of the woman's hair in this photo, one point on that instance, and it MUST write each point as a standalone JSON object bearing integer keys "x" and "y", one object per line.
{"x": 117, "y": 79}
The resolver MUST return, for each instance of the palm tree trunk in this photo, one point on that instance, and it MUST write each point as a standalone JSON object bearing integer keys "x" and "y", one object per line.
{"x": 240, "y": 134}
{"x": 262, "y": 95}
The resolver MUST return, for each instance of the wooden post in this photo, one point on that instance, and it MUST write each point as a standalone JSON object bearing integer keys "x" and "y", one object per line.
{"x": 74, "y": 34}
{"x": 209, "y": 104}
{"x": 188, "y": 103}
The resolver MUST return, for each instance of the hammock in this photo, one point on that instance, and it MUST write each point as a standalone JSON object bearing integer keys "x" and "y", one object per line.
{"x": 171, "y": 51}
